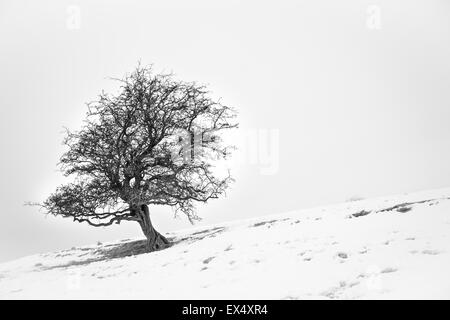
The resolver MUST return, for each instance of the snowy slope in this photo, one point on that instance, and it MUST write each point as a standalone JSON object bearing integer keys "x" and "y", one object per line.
{"x": 385, "y": 248}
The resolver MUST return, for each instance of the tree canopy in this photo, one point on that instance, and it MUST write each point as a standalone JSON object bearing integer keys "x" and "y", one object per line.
{"x": 154, "y": 142}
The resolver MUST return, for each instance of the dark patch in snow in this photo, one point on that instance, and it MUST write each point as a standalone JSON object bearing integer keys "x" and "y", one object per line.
{"x": 258, "y": 224}
{"x": 269, "y": 222}
{"x": 61, "y": 255}
{"x": 388, "y": 270}
{"x": 361, "y": 213}
{"x": 402, "y": 207}
{"x": 113, "y": 251}
{"x": 207, "y": 231}
{"x": 200, "y": 235}
{"x": 342, "y": 255}
{"x": 208, "y": 260}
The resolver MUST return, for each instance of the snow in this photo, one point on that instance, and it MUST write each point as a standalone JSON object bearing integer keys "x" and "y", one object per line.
{"x": 385, "y": 248}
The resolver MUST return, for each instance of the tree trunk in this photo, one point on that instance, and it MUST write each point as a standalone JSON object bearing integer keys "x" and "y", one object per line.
{"x": 155, "y": 240}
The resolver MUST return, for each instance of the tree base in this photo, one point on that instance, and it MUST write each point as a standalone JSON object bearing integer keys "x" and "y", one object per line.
{"x": 155, "y": 240}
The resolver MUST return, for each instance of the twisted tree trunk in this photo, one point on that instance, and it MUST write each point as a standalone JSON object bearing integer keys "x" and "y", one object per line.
{"x": 155, "y": 240}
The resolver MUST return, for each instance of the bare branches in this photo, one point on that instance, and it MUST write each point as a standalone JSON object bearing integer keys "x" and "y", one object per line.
{"x": 131, "y": 151}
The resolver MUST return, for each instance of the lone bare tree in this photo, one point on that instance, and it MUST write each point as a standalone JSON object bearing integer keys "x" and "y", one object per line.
{"x": 154, "y": 142}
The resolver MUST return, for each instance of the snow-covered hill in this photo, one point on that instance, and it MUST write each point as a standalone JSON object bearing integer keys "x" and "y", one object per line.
{"x": 392, "y": 247}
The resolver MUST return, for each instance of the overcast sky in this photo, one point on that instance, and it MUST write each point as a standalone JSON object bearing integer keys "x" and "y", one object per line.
{"x": 336, "y": 99}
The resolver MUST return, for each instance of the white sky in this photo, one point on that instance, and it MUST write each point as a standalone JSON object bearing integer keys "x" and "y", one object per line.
{"x": 359, "y": 111}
